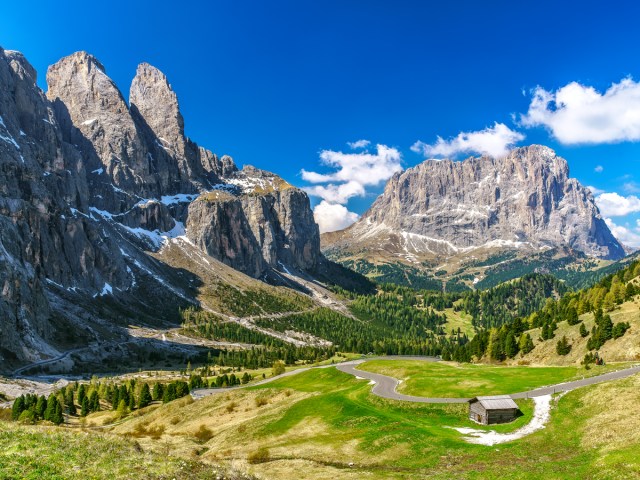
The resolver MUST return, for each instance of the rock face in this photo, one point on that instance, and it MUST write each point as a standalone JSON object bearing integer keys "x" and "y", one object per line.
{"x": 91, "y": 187}
{"x": 524, "y": 201}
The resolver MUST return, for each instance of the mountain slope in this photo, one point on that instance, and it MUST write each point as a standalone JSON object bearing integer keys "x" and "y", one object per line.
{"x": 454, "y": 219}
{"x": 93, "y": 193}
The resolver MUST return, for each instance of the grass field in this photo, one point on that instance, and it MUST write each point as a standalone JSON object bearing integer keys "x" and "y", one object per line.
{"x": 323, "y": 424}
{"x": 38, "y": 452}
{"x": 446, "y": 379}
{"x": 457, "y": 320}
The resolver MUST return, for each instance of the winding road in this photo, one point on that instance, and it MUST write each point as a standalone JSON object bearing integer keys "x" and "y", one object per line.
{"x": 385, "y": 386}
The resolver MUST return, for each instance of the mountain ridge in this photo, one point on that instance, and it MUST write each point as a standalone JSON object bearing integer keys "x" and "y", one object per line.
{"x": 473, "y": 209}
{"x": 93, "y": 190}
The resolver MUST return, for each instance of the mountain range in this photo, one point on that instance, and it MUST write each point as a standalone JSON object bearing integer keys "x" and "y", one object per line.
{"x": 112, "y": 220}
{"x": 451, "y": 220}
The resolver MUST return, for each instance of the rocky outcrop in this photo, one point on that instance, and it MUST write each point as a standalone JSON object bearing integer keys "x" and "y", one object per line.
{"x": 524, "y": 200}
{"x": 91, "y": 188}
{"x": 257, "y": 222}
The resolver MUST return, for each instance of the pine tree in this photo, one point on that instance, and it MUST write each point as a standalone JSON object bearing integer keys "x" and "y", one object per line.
{"x": 56, "y": 414}
{"x": 510, "y": 346}
{"x": 572, "y": 316}
{"x": 41, "y": 407}
{"x": 132, "y": 402}
{"x": 145, "y": 396}
{"x": 82, "y": 392}
{"x": 583, "y": 330}
{"x": 526, "y": 343}
{"x": 51, "y": 405}
{"x": 18, "y": 407}
{"x": 563, "y": 347}
{"x": 94, "y": 401}
{"x": 115, "y": 399}
{"x": 84, "y": 407}
{"x": 158, "y": 392}
{"x": 122, "y": 408}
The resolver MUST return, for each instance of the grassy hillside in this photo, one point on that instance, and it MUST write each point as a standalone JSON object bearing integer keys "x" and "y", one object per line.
{"x": 323, "y": 424}
{"x": 37, "y": 452}
{"x": 625, "y": 348}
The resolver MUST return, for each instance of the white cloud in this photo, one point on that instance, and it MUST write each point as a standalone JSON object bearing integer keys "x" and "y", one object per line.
{"x": 577, "y": 113}
{"x": 494, "y": 141}
{"x": 332, "y": 217}
{"x": 340, "y": 193}
{"x": 365, "y": 168}
{"x": 624, "y": 234}
{"x": 595, "y": 190}
{"x": 359, "y": 144}
{"x": 599, "y": 169}
{"x": 615, "y": 205}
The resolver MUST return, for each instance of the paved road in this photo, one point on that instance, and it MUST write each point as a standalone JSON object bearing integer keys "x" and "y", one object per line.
{"x": 205, "y": 392}
{"x": 385, "y": 386}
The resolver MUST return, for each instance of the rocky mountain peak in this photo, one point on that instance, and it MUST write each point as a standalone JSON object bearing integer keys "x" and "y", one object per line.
{"x": 523, "y": 202}
{"x": 108, "y": 213}
{"x": 152, "y": 96}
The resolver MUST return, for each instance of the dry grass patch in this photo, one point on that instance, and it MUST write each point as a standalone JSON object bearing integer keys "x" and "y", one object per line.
{"x": 260, "y": 455}
{"x": 203, "y": 434}
{"x": 617, "y": 425}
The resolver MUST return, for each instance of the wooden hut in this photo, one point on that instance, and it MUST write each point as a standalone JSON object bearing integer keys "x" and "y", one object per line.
{"x": 494, "y": 409}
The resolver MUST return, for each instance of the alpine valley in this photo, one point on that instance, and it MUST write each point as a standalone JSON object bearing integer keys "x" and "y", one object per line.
{"x": 166, "y": 314}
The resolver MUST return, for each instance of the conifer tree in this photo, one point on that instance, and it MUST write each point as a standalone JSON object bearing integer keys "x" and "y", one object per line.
{"x": 51, "y": 405}
{"x": 18, "y": 407}
{"x": 41, "y": 407}
{"x": 84, "y": 407}
{"x": 563, "y": 347}
{"x": 145, "y": 396}
{"x": 94, "y": 401}
{"x": 56, "y": 414}
{"x": 82, "y": 392}
{"x": 583, "y": 330}
{"x": 122, "y": 408}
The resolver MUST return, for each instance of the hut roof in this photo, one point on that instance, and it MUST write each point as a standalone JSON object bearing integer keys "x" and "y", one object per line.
{"x": 495, "y": 402}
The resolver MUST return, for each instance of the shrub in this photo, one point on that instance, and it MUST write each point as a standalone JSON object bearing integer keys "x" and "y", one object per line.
{"x": 259, "y": 456}
{"x": 261, "y": 401}
{"x": 27, "y": 417}
{"x": 203, "y": 434}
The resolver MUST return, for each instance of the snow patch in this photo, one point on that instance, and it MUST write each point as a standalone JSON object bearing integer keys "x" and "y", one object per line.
{"x": 98, "y": 171}
{"x": 106, "y": 290}
{"x": 89, "y": 122}
{"x": 178, "y": 198}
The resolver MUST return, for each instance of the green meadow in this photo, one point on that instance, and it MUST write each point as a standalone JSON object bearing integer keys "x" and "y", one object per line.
{"x": 447, "y": 379}
{"x": 324, "y": 424}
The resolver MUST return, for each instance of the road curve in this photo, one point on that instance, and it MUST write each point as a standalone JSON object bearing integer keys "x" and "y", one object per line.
{"x": 205, "y": 392}
{"x": 385, "y": 386}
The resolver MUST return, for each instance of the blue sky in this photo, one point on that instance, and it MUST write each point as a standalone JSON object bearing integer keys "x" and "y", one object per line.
{"x": 275, "y": 84}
